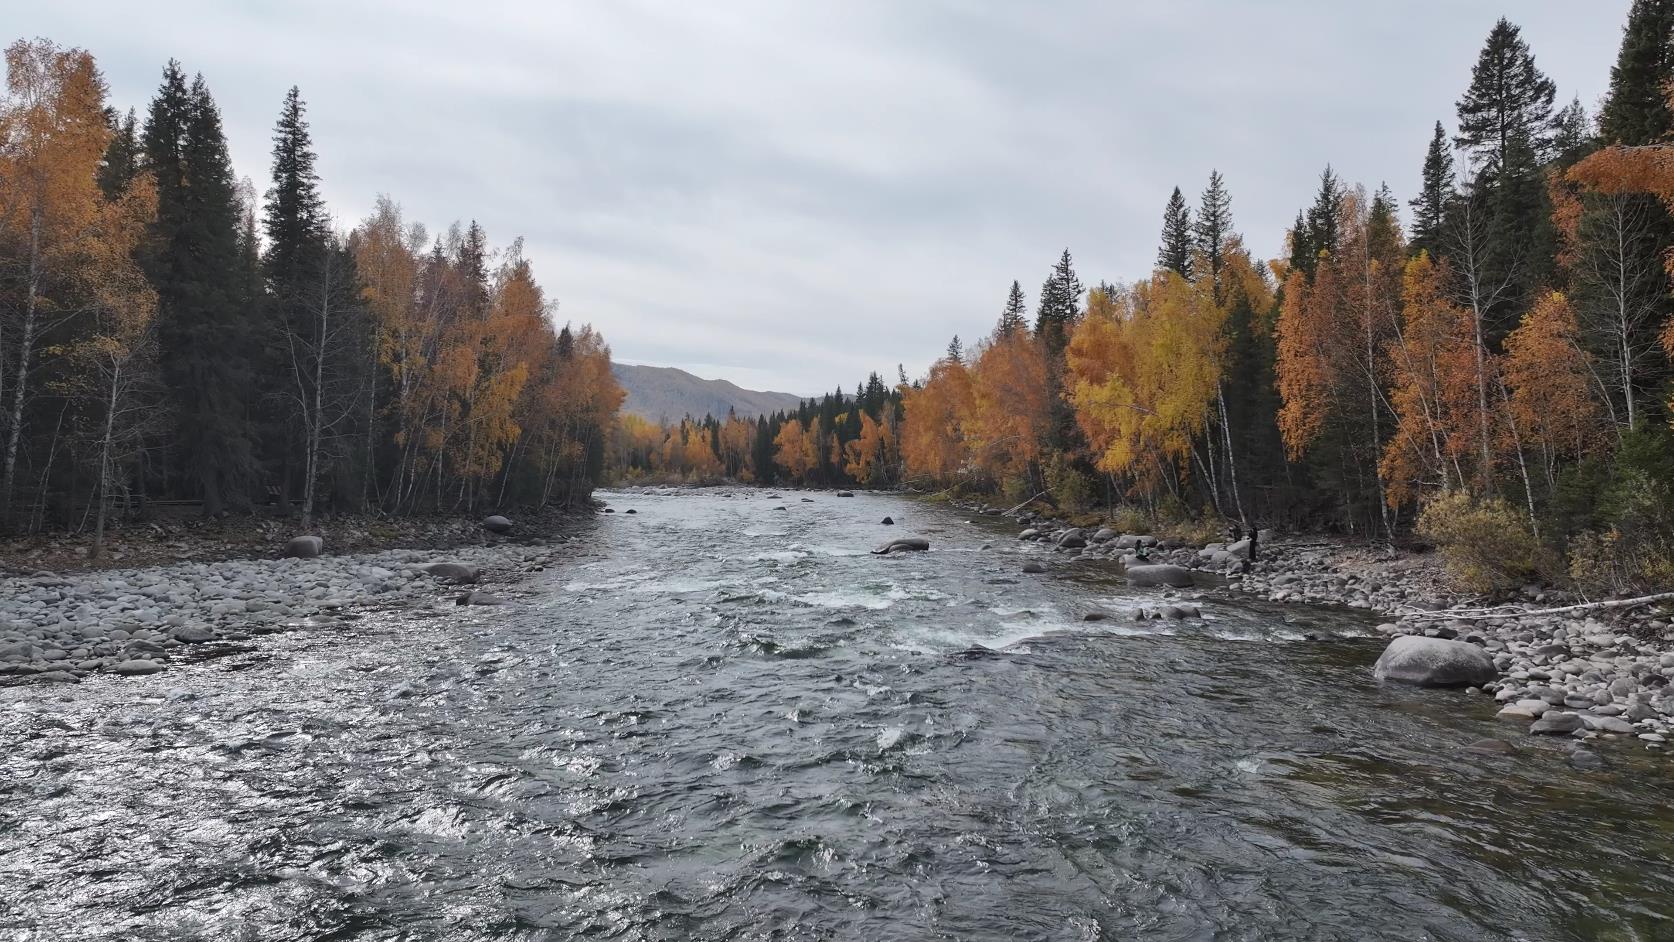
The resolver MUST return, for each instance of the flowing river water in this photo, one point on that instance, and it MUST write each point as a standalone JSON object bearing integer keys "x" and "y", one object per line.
{"x": 720, "y": 718}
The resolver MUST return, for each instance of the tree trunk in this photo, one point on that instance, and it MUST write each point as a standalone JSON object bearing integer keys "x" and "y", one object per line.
{"x": 26, "y": 343}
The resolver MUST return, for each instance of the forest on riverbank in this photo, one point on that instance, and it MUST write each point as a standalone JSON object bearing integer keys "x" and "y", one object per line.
{"x": 1495, "y": 374}
{"x": 168, "y": 336}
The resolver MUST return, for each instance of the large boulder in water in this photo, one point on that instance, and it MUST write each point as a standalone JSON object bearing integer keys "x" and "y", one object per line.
{"x": 1160, "y": 574}
{"x": 456, "y": 573}
{"x": 1073, "y": 539}
{"x": 496, "y": 524}
{"x": 304, "y": 547}
{"x": 905, "y": 544}
{"x": 1434, "y": 662}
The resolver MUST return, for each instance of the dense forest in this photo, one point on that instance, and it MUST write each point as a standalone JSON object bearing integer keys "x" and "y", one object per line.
{"x": 1499, "y": 366}
{"x": 166, "y": 336}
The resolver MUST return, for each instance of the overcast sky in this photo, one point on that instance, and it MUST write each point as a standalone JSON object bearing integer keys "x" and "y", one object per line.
{"x": 792, "y": 194}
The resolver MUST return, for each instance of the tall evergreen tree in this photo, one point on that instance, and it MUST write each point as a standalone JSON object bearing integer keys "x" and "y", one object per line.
{"x": 122, "y": 156}
{"x": 1176, "y": 251}
{"x": 1303, "y": 258}
{"x": 1015, "y": 316}
{"x": 294, "y": 219}
{"x": 204, "y": 331}
{"x": 1636, "y": 109}
{"x": 1429, "y": 207}
{"x": 1060, "y": 304}
{"x": 1324, "y": 227}
{"x": 955, "y": 352}
{"x": 1214, "y": 226}
{"x": 1573, "y": 138}
{"x": 1505, "y": 116}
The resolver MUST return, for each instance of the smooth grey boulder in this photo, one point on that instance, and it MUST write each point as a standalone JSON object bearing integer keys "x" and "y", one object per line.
{"x": 495, "y": 523}
{"x": 1434, "y": 662}
{"x": 456, "y": 573}
{"x": 304, "y": 547}
{"x": 136, "y": 668}
{"x": 912, "y": 544}
{"x": 1127, "y": 541}
{"x": 1033, "y": 568}
{"x": 1159, "y": 574}
{"x": 1554, "y": 723}
{"x": 1104, "y": 535}
{"x": 193, "y": 634}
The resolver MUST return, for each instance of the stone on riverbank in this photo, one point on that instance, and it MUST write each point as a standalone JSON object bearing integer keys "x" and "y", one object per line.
{"x": 1161, "y": 574}
{"x": 454, "y": 572}
{"x": 1555, "y": 723}
{"x": 1433, "y": 662}
{"x": 135, "y": 668}
{"x": 1033, "y": 569}
{"x": 304, "y": 547}
{"x": 494, "y": 523}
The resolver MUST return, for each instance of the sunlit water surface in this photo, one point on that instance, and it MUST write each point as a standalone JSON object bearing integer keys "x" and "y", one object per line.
{"x": 720, "y": 719}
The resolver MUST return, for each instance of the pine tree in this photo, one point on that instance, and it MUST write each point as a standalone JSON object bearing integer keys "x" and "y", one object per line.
{"x": 1176, "y": 251}
{"x": 955, "y": 351}
{"x": 1060, "y": 304}
{"x": 1574, "y": 138}
{"x": 1303, "y": 258}
{"x": 294, "y": 219}
{"x": 194, "y": 264}
{"x": 1505, "y": 117}
{"x": 1015, "y": 316}
{"x": 1324, "y": 227}
{"x": 1214, "y": 226}
{"x": 1429, "y": 207}
{"x": 1636, "y": 108}
{"x": 122, "y": 156}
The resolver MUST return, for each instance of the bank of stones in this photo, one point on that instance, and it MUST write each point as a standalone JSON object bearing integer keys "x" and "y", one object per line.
{"x": 1566, "y": 674}
{"x": 61, "y": 627}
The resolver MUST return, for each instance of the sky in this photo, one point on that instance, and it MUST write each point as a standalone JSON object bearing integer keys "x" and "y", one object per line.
{"x": 793, "y": 195}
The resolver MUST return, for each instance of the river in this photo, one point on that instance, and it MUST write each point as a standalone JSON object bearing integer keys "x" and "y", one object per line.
{"x": 719, "y": 717}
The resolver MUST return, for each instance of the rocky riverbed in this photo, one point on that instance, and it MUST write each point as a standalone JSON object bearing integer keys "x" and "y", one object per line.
{"x": 61, "y": 627}
{"x": 1579, "y": 674}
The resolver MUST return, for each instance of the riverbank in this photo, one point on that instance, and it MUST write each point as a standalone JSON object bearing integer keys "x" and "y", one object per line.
{"x": 1589, "y": 674}
{"x": 215, "y": 594}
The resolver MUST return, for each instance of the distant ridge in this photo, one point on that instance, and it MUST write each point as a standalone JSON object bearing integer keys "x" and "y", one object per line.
{"x": 662, "y": 393}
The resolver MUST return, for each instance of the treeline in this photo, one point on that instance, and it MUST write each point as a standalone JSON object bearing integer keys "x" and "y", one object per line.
{"x": 838, "y": 440}
{"x": 164, "y": 335}
{"x": 1504, "y": 362}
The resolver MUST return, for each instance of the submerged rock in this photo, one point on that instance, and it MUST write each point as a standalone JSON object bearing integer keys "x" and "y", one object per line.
{"x": 1159, "y": 574}
{"x": 888, "y": 521}
{"x": 1433, "y": 662}
{"x": 906, "y": 544}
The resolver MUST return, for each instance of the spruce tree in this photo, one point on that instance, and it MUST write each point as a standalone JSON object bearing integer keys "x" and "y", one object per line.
{"x": 294, "y": 219}
{"x": 1214, "y": 226}
{"x": 1573, "y": 138}
{"x": 1429, "y": 207}
{"x": 1014, "y": 318}
{"x": 1176, "y": 251}
{"x": 1324, "y": 228}
{"x": 205, "y": 334}
{"x": 1060, "y": 305}
{"x": 1636, "y": 109}
{"x": 1505, "y": 116}
{"x": 955, "y": 350}
{"x": 122, "y": 155}
{"x": 1303, "y": 258}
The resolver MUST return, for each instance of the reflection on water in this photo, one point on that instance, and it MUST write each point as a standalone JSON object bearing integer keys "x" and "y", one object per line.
{"x": 719, "y": 720}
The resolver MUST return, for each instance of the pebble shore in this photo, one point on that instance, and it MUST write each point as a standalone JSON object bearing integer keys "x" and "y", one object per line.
{"x": 63, "y": 627}
{"x": 1585, "y": 675}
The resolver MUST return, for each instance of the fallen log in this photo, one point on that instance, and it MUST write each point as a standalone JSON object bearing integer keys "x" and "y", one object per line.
{"x": 1473, "y": 614}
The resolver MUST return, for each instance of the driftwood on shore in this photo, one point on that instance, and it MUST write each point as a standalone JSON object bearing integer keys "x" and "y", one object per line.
{"x": 1474, "y": 614}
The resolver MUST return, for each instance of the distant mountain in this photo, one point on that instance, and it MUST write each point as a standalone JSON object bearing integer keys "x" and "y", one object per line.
{"x": 664, "y": 393}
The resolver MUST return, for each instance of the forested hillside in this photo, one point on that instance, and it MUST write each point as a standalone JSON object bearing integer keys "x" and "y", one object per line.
{"x": 166, "y": 334}
{"x": 1498, "y": 367}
